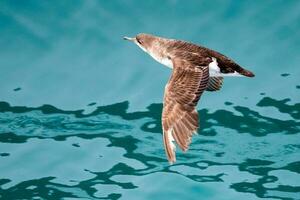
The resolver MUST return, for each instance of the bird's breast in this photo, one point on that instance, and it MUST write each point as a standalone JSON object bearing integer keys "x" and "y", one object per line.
{"x": 167, "y": 62}
{"x": 164, "y": 60}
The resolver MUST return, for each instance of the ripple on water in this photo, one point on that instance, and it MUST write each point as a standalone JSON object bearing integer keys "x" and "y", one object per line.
{"x": 111, "y": 153}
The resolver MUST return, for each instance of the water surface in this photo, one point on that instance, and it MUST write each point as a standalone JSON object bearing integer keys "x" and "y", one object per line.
{"x": 80, "y": 108}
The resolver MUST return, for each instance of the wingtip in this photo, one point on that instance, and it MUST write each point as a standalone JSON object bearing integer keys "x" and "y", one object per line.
{"x": 169, "y": 146}
{"x": 171, "y": 162}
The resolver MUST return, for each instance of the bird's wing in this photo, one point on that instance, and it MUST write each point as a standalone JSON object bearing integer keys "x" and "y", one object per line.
{"x": 182, "y": 93}
{"x": 214, "y": 83}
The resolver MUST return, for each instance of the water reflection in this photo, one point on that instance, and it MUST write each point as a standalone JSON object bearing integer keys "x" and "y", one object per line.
{"x": 111, "y": 153}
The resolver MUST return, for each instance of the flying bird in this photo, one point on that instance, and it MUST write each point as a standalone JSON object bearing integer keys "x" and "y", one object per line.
{"x": 195, "y": 69}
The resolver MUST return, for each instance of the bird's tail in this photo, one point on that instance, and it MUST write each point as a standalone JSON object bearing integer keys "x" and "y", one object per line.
{"x": 247, "y": 73}
{"x": 243, "y": 71}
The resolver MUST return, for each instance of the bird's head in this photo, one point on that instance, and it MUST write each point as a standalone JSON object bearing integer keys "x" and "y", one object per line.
{"x": 144, "y": 41}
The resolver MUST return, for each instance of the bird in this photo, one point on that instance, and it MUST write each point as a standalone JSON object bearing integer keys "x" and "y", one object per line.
{"x": 195, "y": 69}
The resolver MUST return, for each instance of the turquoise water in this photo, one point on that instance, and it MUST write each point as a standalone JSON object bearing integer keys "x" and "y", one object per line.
{"x": 80, "y": 108}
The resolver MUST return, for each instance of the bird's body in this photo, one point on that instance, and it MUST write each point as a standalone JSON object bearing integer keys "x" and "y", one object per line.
{"x": 195, "y": 69}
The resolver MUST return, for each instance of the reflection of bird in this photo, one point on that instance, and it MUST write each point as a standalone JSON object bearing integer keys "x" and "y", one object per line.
{"x": 195, "y": 69}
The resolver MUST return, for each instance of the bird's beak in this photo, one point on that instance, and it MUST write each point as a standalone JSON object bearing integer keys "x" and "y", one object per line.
{"x": 129, "y": 38}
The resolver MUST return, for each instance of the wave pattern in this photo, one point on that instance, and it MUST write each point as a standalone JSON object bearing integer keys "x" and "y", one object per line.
{"x": 111, "y": 153}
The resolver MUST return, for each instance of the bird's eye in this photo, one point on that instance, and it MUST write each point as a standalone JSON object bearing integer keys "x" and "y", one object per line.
{"x": 138, "y": 40}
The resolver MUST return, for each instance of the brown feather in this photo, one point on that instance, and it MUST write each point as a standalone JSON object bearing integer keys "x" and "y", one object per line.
{"x": 214, "y": 83}
{"x": 182, "y": 94}
{"x": 183, "y": 49}
{"x": 189, "y": 79}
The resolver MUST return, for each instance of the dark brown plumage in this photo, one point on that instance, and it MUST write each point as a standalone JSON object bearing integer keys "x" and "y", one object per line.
{"x": 214, "y": 83}
{"x": 195, "y": 69}
{"x": 184, "y": 50}
{"x": 182, "y": 94}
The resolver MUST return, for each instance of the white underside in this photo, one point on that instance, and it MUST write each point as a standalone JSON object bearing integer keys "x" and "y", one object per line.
{"x": 214, "y": 69}
{"x": 167, "y": 62}
{"x": 164, "y": 61}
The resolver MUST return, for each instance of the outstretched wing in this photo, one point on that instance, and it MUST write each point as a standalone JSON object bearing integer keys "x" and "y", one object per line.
{"x": 214, "y": 83}
{"x": 182, "y": 93}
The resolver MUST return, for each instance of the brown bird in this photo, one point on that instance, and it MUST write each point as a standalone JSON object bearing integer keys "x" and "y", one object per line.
{"x": 195, "y": 69}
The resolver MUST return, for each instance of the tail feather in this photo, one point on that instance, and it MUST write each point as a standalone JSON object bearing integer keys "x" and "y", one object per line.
{"x": 243, "y": 71}
{"x": 247, "y": 73}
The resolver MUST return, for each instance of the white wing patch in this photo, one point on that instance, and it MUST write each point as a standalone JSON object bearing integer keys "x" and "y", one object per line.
{"x": 214, "y": 70}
